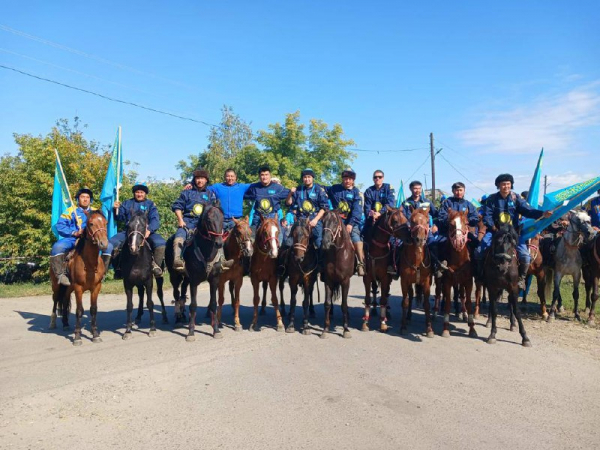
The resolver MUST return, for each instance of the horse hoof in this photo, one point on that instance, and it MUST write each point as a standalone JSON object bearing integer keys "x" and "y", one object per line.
{"x": 446, "y": 333}
{"x": 238, "y": 328}
{"x": 383, "y": 328}
{"x": 591, "y": 323}
{"x": 254, "y": 328}
{"x": 97, "y": 340}
{"x": 430, "y": 334}
{"x": 561, "y": 309}
{"x": 491, "y": 340}
{"x": 488, "y": 324}
{"x": 323, "y": 335}
{"x": 77, "y": 342}
{"x": 127, "y": 336}
{"x": 290, "y": 329}
{"x": 280, "y": 328}
{"x": 217, "y": 335}
{"x": 346, "y": 335}
{"x": 578, "y": 318}
{"x": 512, "y": 328}
{"x": 465, "y": 318}
{"x": 306, "y": 332}
{"x": 526, "y": 343}
{"x": 472, "y": 333}
{"x": 52, "y": 326}
{"x": 262, "y": 312}
{"x": 312, "y": 315}
{"x": 190, "y": 338}
{"x": 365, "y": 327}
{"x": 550, "y": 318}
{"x": 66, "y": 328}
{"x": 165, "y": 320}
{"x": 545, "y": 316}
{"x": 152, "y": 333}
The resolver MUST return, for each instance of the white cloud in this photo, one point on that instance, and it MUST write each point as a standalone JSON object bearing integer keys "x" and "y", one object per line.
{"x": 550, "y": 122}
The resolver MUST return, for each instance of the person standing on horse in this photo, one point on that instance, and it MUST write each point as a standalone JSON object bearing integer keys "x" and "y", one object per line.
{"x": 70, "y": 227}
{"x": 504, "y": 207}
{"x": 594, "y": 212}
{"x": 123, "y": 213}
{"x": 266, "y": 196}
{"x": 188, "y": 209}
{"x": 230, "y": 194}
{"x": 418, "y": 201}
{"x": 456, "y": 203}
{"x": 346, "y": 198}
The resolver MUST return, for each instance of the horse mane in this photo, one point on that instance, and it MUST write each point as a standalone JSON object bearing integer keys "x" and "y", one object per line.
{"x": 507, "y": 228}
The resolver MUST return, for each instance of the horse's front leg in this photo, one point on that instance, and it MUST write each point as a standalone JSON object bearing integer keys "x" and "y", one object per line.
{"x": 273, "y": 286}
{"x": 150, "y": 306}
{"x": 221, "y": 299}
{"x": 236, "y": 305}
{"x": 159, "y": 293}
{"x": 78, "y": 315}
{"x": 576, "y": 280}
{"x": 345, "y": 310}
{"x": 367, "y": 316}
{"x": 94, "y": 312}
{"x": 447, "y": 286}
{"x": 383, "y": 304}
{"x": 140, "y": 313}
{"x": 513, "y": 300}
{"x": 405, "y": 304}
{"x": 256, "y": 301}
{"x": 592, "y": 318}
{"x": 293, "y": 292}
{"x": 555, "y": 295}
{"x": 541, "y": 292}
{"x": 306, "y": 304}
{"x": 468, "y": 288}
{"x": 52, "y": 325}
{"x": 213, "y": 284}
{"x": 494, "y": 298}
{"x": 263, "y": 307}
{"x": 128, "y": 323}
{"x": 478, "y": 289}
{"x": 193, "y": 306}
{"x": 328, "y": 298}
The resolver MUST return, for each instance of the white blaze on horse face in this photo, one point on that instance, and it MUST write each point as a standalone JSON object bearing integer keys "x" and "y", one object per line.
{"x": 273, "y": 241}
{"x": 134, "y": 242}
{"x": 458, "y": 225}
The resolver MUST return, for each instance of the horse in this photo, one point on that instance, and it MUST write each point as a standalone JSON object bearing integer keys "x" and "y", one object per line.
{"x": 591, "y": 274}
{"x": 480, "y": 288}
{"x": 568, "y": 258}
{"x": 500, "y": 269}
{"x": 537, "y": 269}
{"x": 263, "y": 267}
{"x": 338, "y": 267}
{"x": 136, "y": 269}
{"x": 459, "y": 274}
{"x": 377, "y": 259}
{"x": 202, "y": 263}
{"x": 87, "y": 270}
{"x": 415, "y": 267}
{"x": 179, "y": 288}
{"x": 301, "y": 270}
{"x": 238, "y": 245}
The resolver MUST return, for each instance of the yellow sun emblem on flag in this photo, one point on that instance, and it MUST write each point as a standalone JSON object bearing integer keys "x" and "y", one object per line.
{"x": 197, "y": 209}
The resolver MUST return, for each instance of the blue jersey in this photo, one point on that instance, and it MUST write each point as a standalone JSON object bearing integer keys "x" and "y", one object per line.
{"x": 455, "y": 204}
{"x": 191, "y": 203}
{"x": 498, "y": 211}
{"x": 594, "y": 212}
{"x": 421, "y": 203}
{"x": 348, "y": 201}
{"x": 72, "y": 220}
{"x": 231, "y": 198}
{"x": 379, "y": 199}
{"x": 128, "y": 207}
{"x": 266, "y": 200}
{"x": 307, "y": 202}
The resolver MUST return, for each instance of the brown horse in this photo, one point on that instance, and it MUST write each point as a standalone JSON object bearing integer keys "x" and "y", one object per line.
{"x": 263, "y": 267}
{"x": 238, "y": 245}
{"x": 415, "y": 267}
{"x": 338, "y": 267}
{"x": 388, "y": 225}
{"x": 479, "y": 285}
{"x": 87, "y": 270}
{"x": 459, "y": 274}
{"x": 537, "y": 269}
{"x": 591, "y": 275}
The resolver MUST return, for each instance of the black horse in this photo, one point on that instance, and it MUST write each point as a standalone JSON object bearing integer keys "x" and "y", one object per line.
{"x": 202, "y": 258}
{"x": 136, "y": 269}
{"x": 501, "y": 272}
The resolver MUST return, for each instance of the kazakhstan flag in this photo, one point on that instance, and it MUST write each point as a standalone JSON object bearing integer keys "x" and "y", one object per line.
{"x": 112, "y": 183}
{"x": 61, "y": 200}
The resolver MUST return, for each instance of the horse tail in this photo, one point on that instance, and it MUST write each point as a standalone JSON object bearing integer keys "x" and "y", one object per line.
{"x": 335, "y": 291}
{"x": 61, "y": 299}
{"x": 549, "y": 283}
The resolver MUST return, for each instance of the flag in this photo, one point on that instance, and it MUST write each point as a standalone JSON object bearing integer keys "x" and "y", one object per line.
{"x": 61, "y": 199}
{"x": 112, "y": 184}
{"x": 533, "y": 197}
{"x": 401, "y": 198}
{"x": 476, "y": 203}
{"x": 560, "y": 202}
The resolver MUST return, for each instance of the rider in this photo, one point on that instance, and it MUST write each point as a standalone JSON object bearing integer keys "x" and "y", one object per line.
{"x": 266, "y": 196}
{"x": 377, "y": 198}
{"x": 501, "y": 208}
{"x": 309, "y": 201}
{"x": 123, "y": 213}
{"x": 456, "y": 203}
{"x": 70, "y": 226}
{"x": 346, "y": 198}
{"x": 231, "y": 195}
{"x": 188, "y": 209}
{"x": 594, "y": 212}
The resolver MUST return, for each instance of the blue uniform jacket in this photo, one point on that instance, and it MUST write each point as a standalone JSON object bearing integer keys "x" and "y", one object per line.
{"x": 71, "y": 220}
{"x": 378, "y": 200}
{"x": 128, "y": 207}
{"x": 594, "y": 212}
{"x": 189, "y": 204}
{"x": 231, "y": 198}
{"x": 421, "y": 203}
{"x": 498, "y": 210}
{"x": 269, "y": 196}
{"x": 307, "y": 202}
{"x": 351, "y": 197}
{"x": 454, "y": 204}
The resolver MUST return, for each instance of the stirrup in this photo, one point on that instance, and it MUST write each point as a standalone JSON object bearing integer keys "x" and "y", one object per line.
{"x": 156, "y": 270}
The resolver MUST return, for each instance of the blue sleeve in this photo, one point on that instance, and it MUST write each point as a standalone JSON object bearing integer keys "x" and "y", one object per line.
{"x": 64, "y": 227}
{"x": 179, "y": 204}
{"x": 356, "y": 210}
{"x": 153, "y": 218}
{"x": 442, "y": 215}
{"x": 391, "y": 197}
{"x": 323, "y": 199}
{"x": 121, "y": 216}
{"x": 488, "y": 213}
{"x": 472, "y": 216}
{"x": 368, "y": 203}
{"x": 283, "y": 193}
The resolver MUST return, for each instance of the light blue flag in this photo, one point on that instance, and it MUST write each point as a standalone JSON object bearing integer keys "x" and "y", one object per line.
{"x": 112, "y": 183}
{"x": 533, "y": 198}
{"x": 476, "y": 203}
{"x": 560, "y": 202}
{"x": 61, "y": 199}
{"x": 401, "y": 198}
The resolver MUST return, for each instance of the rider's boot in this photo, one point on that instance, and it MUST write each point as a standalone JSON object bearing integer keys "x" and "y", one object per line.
{"x": 117, "y": 263}
{"x": 178, "y": 262}
{"x": 57, "y": 264}
{"x": 106, "y": 260}
{"x": 360, "y": 257}
{"x": 159, "y": 257}
{"x": 523, "y": 269}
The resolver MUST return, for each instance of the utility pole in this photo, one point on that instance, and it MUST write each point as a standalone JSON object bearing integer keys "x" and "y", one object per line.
{"x": 432, "y": 168}
{"x": 545, "y": 183}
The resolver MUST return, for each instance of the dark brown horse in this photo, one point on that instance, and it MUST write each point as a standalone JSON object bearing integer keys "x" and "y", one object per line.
{"x": 301, "y": 269}
{"x": 263, "y": 267}
{"x": 338, "y": 267}
{"x": 591, "y": 275}
{"x": 537, "y": 269}
{"x": 87, "y": 270}
{"x": 377, "y": 259}
{"x": 500, "y": 271}
{"x": 459, "y": 274}
{"x": 480, "y": 288}
{"x": 238, "y": 245}
{"x": 415, "y": 267}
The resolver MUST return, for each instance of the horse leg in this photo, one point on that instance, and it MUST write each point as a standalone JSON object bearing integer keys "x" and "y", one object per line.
{"x": 455, "y": 302}
{"x": 447, "y": 291}
{"x": 405, "y": 301}
{"x": 311, "y": 306}
{"x": 236, "y": 306}
{"x": 306, "y": 306}
{"x": 463, "y": 303}
{"x": 477, "y": 300}
{"x": 52, "y": 325}
{"x": 293, "y": 292}
{"x": 374, "y": 289}
{"x": 328, "y": 298}
{"x": 159, "y": 293}
{"x": 576, "y": 280}
{"x": 345, "y": 312}
{"x": 281, "y": 284}
{"x": 367, "y": 284}
{"x": 494, "y": 297}
{"x": 411, "y": 296}
{"x": 541, "y": 292}
{"x": 221, "y": 299}
{"x": 184, "y": 287}
{"x": 555, "y": 295}
{"x": 94, "y": 312}
{"x": 193, "y": 306}
{"x": 273, "y": 286}
{"x": 513, "y": 300}
{"x": 256, "y": 301}
{"x": 176, "y": 281}
{"x": 591, "y": 318}
{"x": 232, "y": 285}
{"x": 383, "y": 305}
{"x": 140, "y": 313}
{"x": 511, "y": 312}
{"x": 263, "y": 307}
{"x": 213, "y": 284}
{"x": 128, "y": 323}
{"x": 66, "y": 307}
{"x": 78, "y": 315}
{"x": 427, "y": 306}
{"x": 468, "y": 288}
{"x": 150, "y": 306}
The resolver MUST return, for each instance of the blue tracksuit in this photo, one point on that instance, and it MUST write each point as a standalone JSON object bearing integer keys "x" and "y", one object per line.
{"x": 307, "y": 202}
{"x": 349, "y": 202}
{"x": 594, "y": 212}
{"x": 126, "y": 210}
{"x": 266, "y": 200}
{"x": 455, "y": 204}
{"x": 378, "y": 199}
{"x": 191, "y": 203}
{"x": 70, "y": 221}
{"x": 232, "y": 201}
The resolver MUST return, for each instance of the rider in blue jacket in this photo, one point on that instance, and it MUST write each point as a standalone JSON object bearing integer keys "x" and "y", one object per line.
{"x": 266, "y": 197}
{"x": 231, "y": 196}
{"x": 594, "y": 212}
{"x": 124, "y": 212}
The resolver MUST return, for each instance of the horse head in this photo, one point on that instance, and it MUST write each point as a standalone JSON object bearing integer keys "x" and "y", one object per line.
{"x": 211, "y": 225}
{"x": 458, "y": 229}
{"x": 396, "y": 223}
{"x": 95, "y": 230}
{"x": 136, "y": 231}
{"x": 243, "y": 235}
{"x": 419, "y": 225}
{"x": 333, "y": 228}
{"x": 267, "y": 237}
{"x": 301, "y": 232}
{"x": 581, "y": 226}
{"x": 505, "y": 244}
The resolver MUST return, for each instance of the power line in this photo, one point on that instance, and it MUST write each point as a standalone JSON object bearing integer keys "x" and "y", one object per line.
{"x": 417, "y": 169}
{"x": 110, "y": 98}
{"x": 461, "y": 174}
{"x": 387, "y": 151}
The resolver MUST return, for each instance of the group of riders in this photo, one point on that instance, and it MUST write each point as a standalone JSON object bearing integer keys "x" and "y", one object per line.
{"x": 310, "y": 201}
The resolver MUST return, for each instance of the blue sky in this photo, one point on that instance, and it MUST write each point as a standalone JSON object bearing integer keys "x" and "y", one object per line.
{"x": 494, "y": 82}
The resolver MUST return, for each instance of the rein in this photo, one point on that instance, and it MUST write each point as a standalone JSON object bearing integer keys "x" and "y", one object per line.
{"x": 140, "y": 233}
{"x": 336, "y": 234}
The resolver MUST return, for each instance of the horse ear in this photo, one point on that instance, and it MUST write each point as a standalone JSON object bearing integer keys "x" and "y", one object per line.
{"x": 411, "y": 208}
{"x": 235, "y": 220}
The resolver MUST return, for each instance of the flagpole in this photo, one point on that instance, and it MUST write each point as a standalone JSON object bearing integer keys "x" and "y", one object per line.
{"x": 118, "y": 168}
{"x": 62, "y": 173}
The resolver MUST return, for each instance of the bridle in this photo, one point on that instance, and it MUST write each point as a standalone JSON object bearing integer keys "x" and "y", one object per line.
{"x": 92, "y": 234}
{"x": 335, "y": 234}
{"x": 265, "y": 242}
{"x": 459, "y": 241}
{"x": 134, "y": 232}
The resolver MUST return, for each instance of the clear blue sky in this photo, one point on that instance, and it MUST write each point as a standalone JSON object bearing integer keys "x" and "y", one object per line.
{"x": 494, "y": 81}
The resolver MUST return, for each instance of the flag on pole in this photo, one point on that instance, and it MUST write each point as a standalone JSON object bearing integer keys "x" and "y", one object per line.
{"x": 401, "y": 198}
{"x": 560, "y": 202}
{"x": 112, "y": 184}
{"x": 476, "y": 203}
{"x": 533, "y": 197}
{"x": 61, "y": 198}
